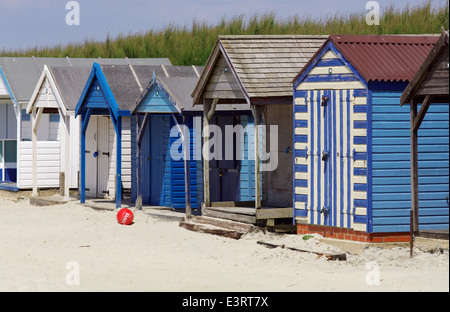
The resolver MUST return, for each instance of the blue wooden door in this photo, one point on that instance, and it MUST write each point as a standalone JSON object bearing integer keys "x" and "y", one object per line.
{"x": 325, "y": 158}
{"x": 154, "y": 150}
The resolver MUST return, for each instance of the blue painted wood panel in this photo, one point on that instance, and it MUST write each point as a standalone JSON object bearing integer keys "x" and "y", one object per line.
{"x": 391, "y": 165}
{"x": 178, "y": 183}
{"x": 156, "y": 101}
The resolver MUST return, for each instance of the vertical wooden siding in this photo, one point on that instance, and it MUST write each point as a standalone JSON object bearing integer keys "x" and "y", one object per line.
{"x": 340, "y": 128}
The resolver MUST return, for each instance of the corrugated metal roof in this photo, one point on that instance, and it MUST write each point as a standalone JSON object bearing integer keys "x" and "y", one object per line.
{"x": 23, "y": 73}
{"x": 385, "y": 57}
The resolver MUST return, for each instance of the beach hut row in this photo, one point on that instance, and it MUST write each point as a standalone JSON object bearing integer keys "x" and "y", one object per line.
{"x": 303, "y": 130}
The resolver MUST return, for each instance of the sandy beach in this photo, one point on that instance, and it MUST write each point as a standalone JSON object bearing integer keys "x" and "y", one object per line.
{"x": 73, "y": 248}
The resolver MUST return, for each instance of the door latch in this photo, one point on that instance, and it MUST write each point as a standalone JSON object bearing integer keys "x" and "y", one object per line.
{"x": 325, "y": 155}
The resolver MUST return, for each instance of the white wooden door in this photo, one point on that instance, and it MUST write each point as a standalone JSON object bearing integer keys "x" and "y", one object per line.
{"x": 102, "y": 156}
{"x": 91, "y": 160}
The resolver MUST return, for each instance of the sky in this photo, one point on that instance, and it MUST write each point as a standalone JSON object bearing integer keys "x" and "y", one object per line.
{"x": 28, "y": 23}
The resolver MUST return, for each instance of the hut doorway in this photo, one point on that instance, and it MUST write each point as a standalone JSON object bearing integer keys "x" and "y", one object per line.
{"x": 225, "y": 170}
{"x": 97, "y": 157}
{"x": 154, "y": 152}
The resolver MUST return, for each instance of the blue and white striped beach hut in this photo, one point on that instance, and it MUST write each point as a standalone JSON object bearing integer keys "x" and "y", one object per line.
{"x": 352, "y": 141}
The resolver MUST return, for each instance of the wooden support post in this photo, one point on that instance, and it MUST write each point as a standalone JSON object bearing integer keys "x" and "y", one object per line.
{"x": 119, "y": 163}
{"x": 414, "y": 168}
{"x": 206, "y": 134}
{"x": 85, "y": 117}
{"x": 411, "y": 234}
{"x": 83, "y": 158}
{"x": 139, "y": 165}
{"x": 187, "y": 169}
{"x": 66, "y": 143}
{"x": 256, "y": 111}
{"x": 35, "y": 119}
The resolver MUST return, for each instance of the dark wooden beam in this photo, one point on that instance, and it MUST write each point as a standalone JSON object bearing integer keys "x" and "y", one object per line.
{"x": 423, "y": 111}
{"x": 414, "y": 168}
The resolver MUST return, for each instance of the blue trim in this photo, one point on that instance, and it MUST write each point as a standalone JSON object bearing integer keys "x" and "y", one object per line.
{"x": 300, "y": 109}
{"x": 360, "y": 109}
{"x": 301, "y": 183}
{"x": 311, "y": 175}
{"x": 357, "y": 124}
{"x": 301, "y": 168}
{"x": 341, "y": 152}
{"x": 360, "y": 171}
{"x": 326, "y": 164}
{"x": 294, "y": 155}
{"x": 8, "y": 187}
{"x": 301, "y": 138}
{"x": 8, "y": 86}
{"x": 300, "y": 94}
{"x": 349, "y": 173}
{"x": 369, "y": 164}
{"x": 319, "y": 167}
{"x": 330, "y": 78}
{"x": 328, "y": 46}
{"x": 330, "y": 63}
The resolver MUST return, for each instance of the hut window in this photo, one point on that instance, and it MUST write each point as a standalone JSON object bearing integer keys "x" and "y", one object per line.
{"x": 54, "y": 118}
{"x": 25, "y": 116}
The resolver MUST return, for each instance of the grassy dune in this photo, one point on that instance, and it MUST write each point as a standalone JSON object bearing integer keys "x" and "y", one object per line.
{"x": 191, "y": 45}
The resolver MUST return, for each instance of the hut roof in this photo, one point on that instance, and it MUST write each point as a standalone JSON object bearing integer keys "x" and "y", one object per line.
{"x": 178, "y": 82}
{"x": 426, "y": 69}
{"x": 23, "y": 73}
{"x": 385, "y": 58}
{"x": 263, "y": 65}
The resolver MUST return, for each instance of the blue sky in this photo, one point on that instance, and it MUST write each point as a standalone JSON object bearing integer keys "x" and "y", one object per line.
{"x": 27, "y": 23}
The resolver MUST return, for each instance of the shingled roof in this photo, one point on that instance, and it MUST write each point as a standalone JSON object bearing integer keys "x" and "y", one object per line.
{"x": 262, "y": 65}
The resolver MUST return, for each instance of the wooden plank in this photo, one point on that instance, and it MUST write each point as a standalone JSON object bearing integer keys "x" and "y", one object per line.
{"x": 423, "y": 111}
{"x": 233, "y": 204}
{"x": 274, "y": 213}
{"x": 229, "y": 216}
{"x": 210, "y": 230}
{"x": 250, "y": 211}
{"x": 226, "y": 224}
{"x": 329, "y": 256}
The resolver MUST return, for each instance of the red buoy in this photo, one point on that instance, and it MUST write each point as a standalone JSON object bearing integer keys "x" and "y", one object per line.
{"x": 125, "y": 216}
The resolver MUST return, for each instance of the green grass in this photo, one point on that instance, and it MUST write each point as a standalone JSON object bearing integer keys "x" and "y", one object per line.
{"x": 192, "y": 45}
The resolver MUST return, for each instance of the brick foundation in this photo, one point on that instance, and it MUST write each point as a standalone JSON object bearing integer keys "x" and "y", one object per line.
{"x": 349, "y": 234}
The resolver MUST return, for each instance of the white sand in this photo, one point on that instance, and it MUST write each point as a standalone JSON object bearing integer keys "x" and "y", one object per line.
{"x": 157, "y": 255}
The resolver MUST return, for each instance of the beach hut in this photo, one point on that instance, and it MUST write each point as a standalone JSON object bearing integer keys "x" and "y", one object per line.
{"x": 57, "y": 93}
{"x": 252, "y": 73}
{"x": 352, "y": 152}
{"x": 108, "y": 129}
{"x": 20, "y": 76}
{"x": 429, "y": 86}
{"x": 8, "y": 138}
{"x": 166, "y": 129}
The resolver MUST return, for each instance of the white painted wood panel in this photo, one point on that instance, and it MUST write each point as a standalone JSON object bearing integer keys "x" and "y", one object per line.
{"x": 48, "y": 161}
